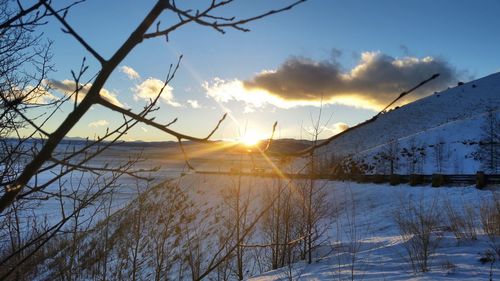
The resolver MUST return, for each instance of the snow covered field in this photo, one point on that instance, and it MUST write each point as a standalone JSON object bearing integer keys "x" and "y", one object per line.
{"x": 365, "y": 221}
{"x": 381, "y": 255}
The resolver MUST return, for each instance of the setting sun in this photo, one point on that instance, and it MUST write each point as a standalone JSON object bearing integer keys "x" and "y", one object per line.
{"x": 250, "y": 138}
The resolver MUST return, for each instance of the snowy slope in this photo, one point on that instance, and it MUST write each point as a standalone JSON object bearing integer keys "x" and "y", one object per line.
{"x": 381, "y": 254}
{"x": 458, "y": 141}
{"x": 458, "y": 103}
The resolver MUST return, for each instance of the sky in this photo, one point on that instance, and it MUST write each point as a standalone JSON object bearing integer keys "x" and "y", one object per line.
{"x": 349, "y": 57}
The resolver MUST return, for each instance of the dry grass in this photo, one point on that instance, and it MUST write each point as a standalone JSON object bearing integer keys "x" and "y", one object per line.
{"x": 418, "y": 225}
{"x": 490, "y": 220}
{"x": 462, "y": 221}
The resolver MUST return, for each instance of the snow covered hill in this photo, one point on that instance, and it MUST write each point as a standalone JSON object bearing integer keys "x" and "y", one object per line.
{"x": 452, "y": 117}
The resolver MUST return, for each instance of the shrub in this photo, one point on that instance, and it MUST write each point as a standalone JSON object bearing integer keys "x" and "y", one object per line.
{"x": 449, "y": 267}
{"x": 490, "y": 220}
{"x": 462, "y": 222}
{"x": 418, "y": 225}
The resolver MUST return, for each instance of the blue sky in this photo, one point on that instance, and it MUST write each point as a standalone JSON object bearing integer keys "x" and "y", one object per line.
{"x": 460, "y": 36}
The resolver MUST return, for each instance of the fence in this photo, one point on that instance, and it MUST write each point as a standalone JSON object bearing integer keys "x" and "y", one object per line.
{"x": 480, "y": 179}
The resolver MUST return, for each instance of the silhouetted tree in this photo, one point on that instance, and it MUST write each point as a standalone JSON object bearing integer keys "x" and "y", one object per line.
{"x": 440, "y": 155}
{"x": 387, "y": 160}
{"x": 20, "y": 93}
{"x": 489, "y": 146}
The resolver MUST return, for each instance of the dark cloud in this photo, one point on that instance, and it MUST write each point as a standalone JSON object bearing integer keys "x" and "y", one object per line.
{"x": 374, "y": 82}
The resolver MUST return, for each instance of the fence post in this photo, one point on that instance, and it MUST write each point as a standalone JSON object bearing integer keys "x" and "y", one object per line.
{"x": 480, "y": 180}
{"x": 378, "y": 178}
{"x": 416, "y": 179}
{"x": 437, "y": 180}
{"x": 395, "y": 179}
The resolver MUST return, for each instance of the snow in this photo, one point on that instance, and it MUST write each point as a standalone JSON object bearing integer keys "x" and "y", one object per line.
{"x": 381, "y": 254}
{"x": 364, "y": 213}
{"x": 459, "y": 141}
{"x": 79, "y": 181}
{"x": 427, "y": 118}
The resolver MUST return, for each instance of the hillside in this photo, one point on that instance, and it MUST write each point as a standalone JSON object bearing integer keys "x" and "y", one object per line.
{"x": 452, "y": 117}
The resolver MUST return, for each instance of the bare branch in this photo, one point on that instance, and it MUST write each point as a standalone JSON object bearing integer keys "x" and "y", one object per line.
{"x": 216, "y": 127}
{"x": 186, "y": 158}
{"x": 72, "y": 32}
{"x": 151, "y": 123}
{"x": 216, "y": 22}
{"x": 171, "y": 122}
{"x": 55, "y": 138}
{"x": 20, "y": 15}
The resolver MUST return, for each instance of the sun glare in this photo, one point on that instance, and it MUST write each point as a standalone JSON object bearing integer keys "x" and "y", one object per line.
{"x": 251, "y": 138}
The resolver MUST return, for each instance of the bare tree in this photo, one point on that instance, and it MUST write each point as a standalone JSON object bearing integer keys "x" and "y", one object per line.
{"x": 440, "y": 155}
{"x": 313, "y": 196}
{"x": 353, "y": 233}
{"x": 204, "y": 17}
{"x": 488, "y": 152}
{"x": 237, "y": 202}
{"x": 20, "y": 226}
{"x": 166, "y": 241}
{"x": 390, "y": 155}
{"x": 20, "y": 167}
{"x": 281, "y": 225}
{"x": 415, "y": 156}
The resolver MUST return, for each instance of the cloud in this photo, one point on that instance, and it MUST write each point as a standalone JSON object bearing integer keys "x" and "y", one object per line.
{"x": 28, "y": 94}
{"x": 334, "y": 129}
{"x": 375, "y": 81}
{"x": 150, "y": 88}
{"x": 248, "y": 109}
{"x": 130, "y": 72}
{"x": 99, "y": 123}
{"x": 224, "y": 91}
{"x": 67, "y": 87}
{"x": 40, "y": 97}
{"x": 33, "y": 95}
{"x": 194, "y": 103}
{"x": 338, "y": 127}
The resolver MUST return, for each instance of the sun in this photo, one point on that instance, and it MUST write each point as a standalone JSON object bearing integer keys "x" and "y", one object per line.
{"x": 250, "y": 138}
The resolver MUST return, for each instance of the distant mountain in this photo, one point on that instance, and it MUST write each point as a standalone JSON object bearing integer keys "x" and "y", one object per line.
{"x": 288, "y": 145}
{"x": 453, "y": 117}
{"x": 143, "y": 144}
